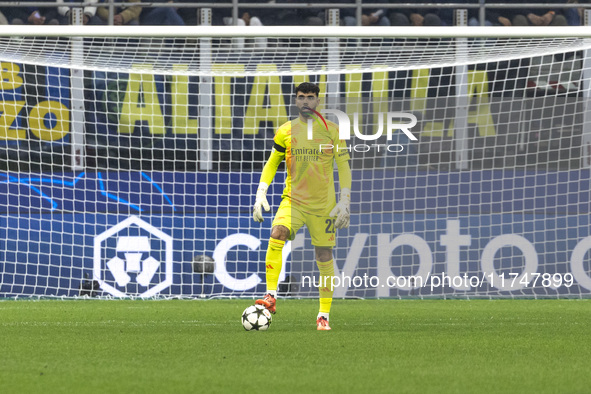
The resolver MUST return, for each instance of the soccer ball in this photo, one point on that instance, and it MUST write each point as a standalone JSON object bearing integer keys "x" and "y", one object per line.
{"x": 256, "y": 317}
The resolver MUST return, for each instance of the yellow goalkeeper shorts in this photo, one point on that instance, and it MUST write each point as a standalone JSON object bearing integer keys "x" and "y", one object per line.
{"x": 321, "y": 228}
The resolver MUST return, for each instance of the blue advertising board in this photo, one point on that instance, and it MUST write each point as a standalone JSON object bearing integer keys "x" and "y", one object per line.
{"x": 474, "y": 233}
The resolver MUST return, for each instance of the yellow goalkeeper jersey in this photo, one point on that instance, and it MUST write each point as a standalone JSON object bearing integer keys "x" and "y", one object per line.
{"x": 310, "y": 164}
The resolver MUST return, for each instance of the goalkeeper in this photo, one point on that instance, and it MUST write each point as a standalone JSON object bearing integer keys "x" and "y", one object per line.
{"x": 309, "y": 194}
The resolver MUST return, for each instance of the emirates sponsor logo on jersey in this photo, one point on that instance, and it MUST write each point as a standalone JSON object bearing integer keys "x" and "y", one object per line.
{"x": 305, "y": 154}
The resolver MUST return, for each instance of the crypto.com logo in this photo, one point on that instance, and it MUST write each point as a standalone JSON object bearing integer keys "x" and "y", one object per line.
{"x": 132, "y": 255}
{"x": 392, "y": 124}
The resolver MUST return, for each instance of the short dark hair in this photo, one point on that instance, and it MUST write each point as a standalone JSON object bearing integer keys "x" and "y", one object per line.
{"x": 308, "y": 87}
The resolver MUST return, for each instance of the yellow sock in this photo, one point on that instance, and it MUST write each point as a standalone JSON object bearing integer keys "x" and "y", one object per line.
{"x": 273, "y": 263}
{"x": 325, "y": 290}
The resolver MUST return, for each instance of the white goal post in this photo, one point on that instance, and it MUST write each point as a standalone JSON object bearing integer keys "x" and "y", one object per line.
{"x": 154, "y": 197}
{"x": 288, "y": 31}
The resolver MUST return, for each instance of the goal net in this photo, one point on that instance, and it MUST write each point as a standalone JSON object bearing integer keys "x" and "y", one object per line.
{"x": 130, "y": 158}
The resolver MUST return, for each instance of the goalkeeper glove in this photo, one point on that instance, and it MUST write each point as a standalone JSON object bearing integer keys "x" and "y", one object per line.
{"x": 341, "y": 210}
{"x": 260, "y": 202}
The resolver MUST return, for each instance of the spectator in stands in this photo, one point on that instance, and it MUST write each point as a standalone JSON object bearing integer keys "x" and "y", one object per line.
{"x": 247, "y": 16}
{"x": 493, "y": 16}
{"x": 3, "y": 19}
{"x": 574, "y": 16}
{"x": 258, "y": 17}
{"x": 538, "y": 16}
{"x": 89, "y": 17}
{"x": 161, "y": 16}
{"x": 123, "y": 15}
{"x": 421, "y": 16}
{"x": 521, "y": 16}
{"x": 369, "y": 17}
{"x": 473, "y": 14}
{"x": 298, "y": 16}
{"x": 34, "y": 15}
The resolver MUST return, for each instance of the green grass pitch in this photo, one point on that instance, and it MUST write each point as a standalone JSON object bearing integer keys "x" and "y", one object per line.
{"x": 409, "y": 346}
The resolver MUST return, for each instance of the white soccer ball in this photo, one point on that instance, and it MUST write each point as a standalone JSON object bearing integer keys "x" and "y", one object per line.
{"x": 256, "y": 317}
